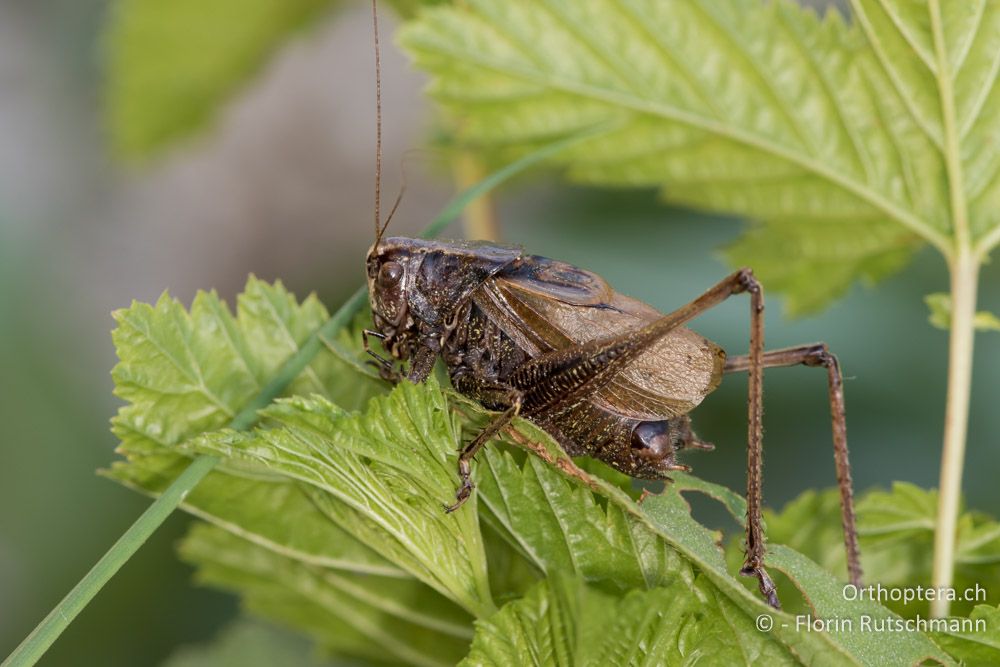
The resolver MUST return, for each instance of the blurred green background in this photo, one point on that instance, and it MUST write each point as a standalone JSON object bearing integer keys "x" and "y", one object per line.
{"x": 280, "y": 186}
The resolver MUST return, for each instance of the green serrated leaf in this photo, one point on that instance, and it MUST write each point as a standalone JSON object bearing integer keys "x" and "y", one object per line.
{"x": 371, "y": 617}
{"x": 186, "y": 373}
{"x": 561, "y": 527}
{"x": 668, "y": 515}
{"x": 939, "y": 304}
{"x": 172, "y": 65}
{"x": 358, "y": 496}
{"x": 831, "y": 134}
{"x": 383, "y": 476}
{"x": 380, "y": 475}
{"x": 561, "y": 621}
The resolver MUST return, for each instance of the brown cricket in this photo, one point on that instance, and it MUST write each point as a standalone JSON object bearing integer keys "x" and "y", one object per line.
{"x": 606, "y": 375}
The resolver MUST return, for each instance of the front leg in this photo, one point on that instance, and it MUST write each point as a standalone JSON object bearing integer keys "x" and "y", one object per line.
{"x": 386, "y": 368}
{"x": 421, "y": 364}
{"x": 493, "y": 395}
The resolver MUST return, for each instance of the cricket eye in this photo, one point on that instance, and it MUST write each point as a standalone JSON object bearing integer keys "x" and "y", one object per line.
{"x": 390, "y": 274}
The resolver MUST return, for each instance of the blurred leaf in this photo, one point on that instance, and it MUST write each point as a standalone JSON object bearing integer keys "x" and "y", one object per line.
{"x": 383, "y": 476}
{"x": 384, "y": 620}
{"x": 246, "y": 643}
{"x": 409, "y": 8}
{"x": 173, "y": 65}
{"x": 979, "y": 646}
{"x": 561, "y": 621}
{"x": 888, "y": 515}
{"x": 939, "y": 303}
{"x": 829, "y": 134}
{"x": 813, "y": 266}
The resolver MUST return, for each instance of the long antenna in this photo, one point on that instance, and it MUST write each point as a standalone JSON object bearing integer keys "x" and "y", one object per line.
{"x": 378, "y": 126}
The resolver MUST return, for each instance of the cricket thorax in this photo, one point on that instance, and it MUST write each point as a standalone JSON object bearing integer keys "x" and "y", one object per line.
{"x": 417, "y": 288}
{"x": 478, "y": 346}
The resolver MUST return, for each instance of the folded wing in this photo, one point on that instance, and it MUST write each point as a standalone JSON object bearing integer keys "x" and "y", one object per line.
{"x": 546, "y": 305}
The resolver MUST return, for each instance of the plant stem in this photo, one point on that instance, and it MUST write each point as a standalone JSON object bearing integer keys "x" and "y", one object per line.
{"x": 964, "y": 282}
{"x": 964, "y": 264}
{"x": 479, "y": 220}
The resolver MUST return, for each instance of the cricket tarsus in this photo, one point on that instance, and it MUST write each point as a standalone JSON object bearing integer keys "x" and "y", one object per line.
{"x": 818, "y": 355}
{"x": 765, "y": 584}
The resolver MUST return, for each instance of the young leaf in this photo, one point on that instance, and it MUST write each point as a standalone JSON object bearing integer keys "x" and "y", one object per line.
{"x": 866, "y": 137}
{"x": 173, "y": 64}
{"x": 380, "y": 476}
{"x": 370, "y": 617}
{"x": 383, "y": 476}
{"x": 183, "y": 374}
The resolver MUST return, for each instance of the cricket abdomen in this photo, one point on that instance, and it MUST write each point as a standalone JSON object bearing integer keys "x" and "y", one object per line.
{"x": 479, "y": 348}
{"x": 642, "y": 449}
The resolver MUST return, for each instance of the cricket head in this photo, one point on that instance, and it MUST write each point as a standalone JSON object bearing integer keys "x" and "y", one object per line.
{"x": 417, "y": 288}
{"x": 391, "y": 266}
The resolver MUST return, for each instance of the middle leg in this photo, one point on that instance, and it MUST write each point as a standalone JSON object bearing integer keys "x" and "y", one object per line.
{"x": 492, "y": 395}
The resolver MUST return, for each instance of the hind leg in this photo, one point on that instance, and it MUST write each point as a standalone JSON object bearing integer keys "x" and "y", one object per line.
{"x": 818, "y": 355}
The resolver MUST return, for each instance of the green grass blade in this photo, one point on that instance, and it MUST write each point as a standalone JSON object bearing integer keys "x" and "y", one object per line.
{"x": 42, "y": 637}
{"x": 35, "y": 644}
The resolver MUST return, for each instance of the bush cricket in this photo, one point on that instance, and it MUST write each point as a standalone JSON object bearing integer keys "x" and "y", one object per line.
{"x": 606, "y": 375}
